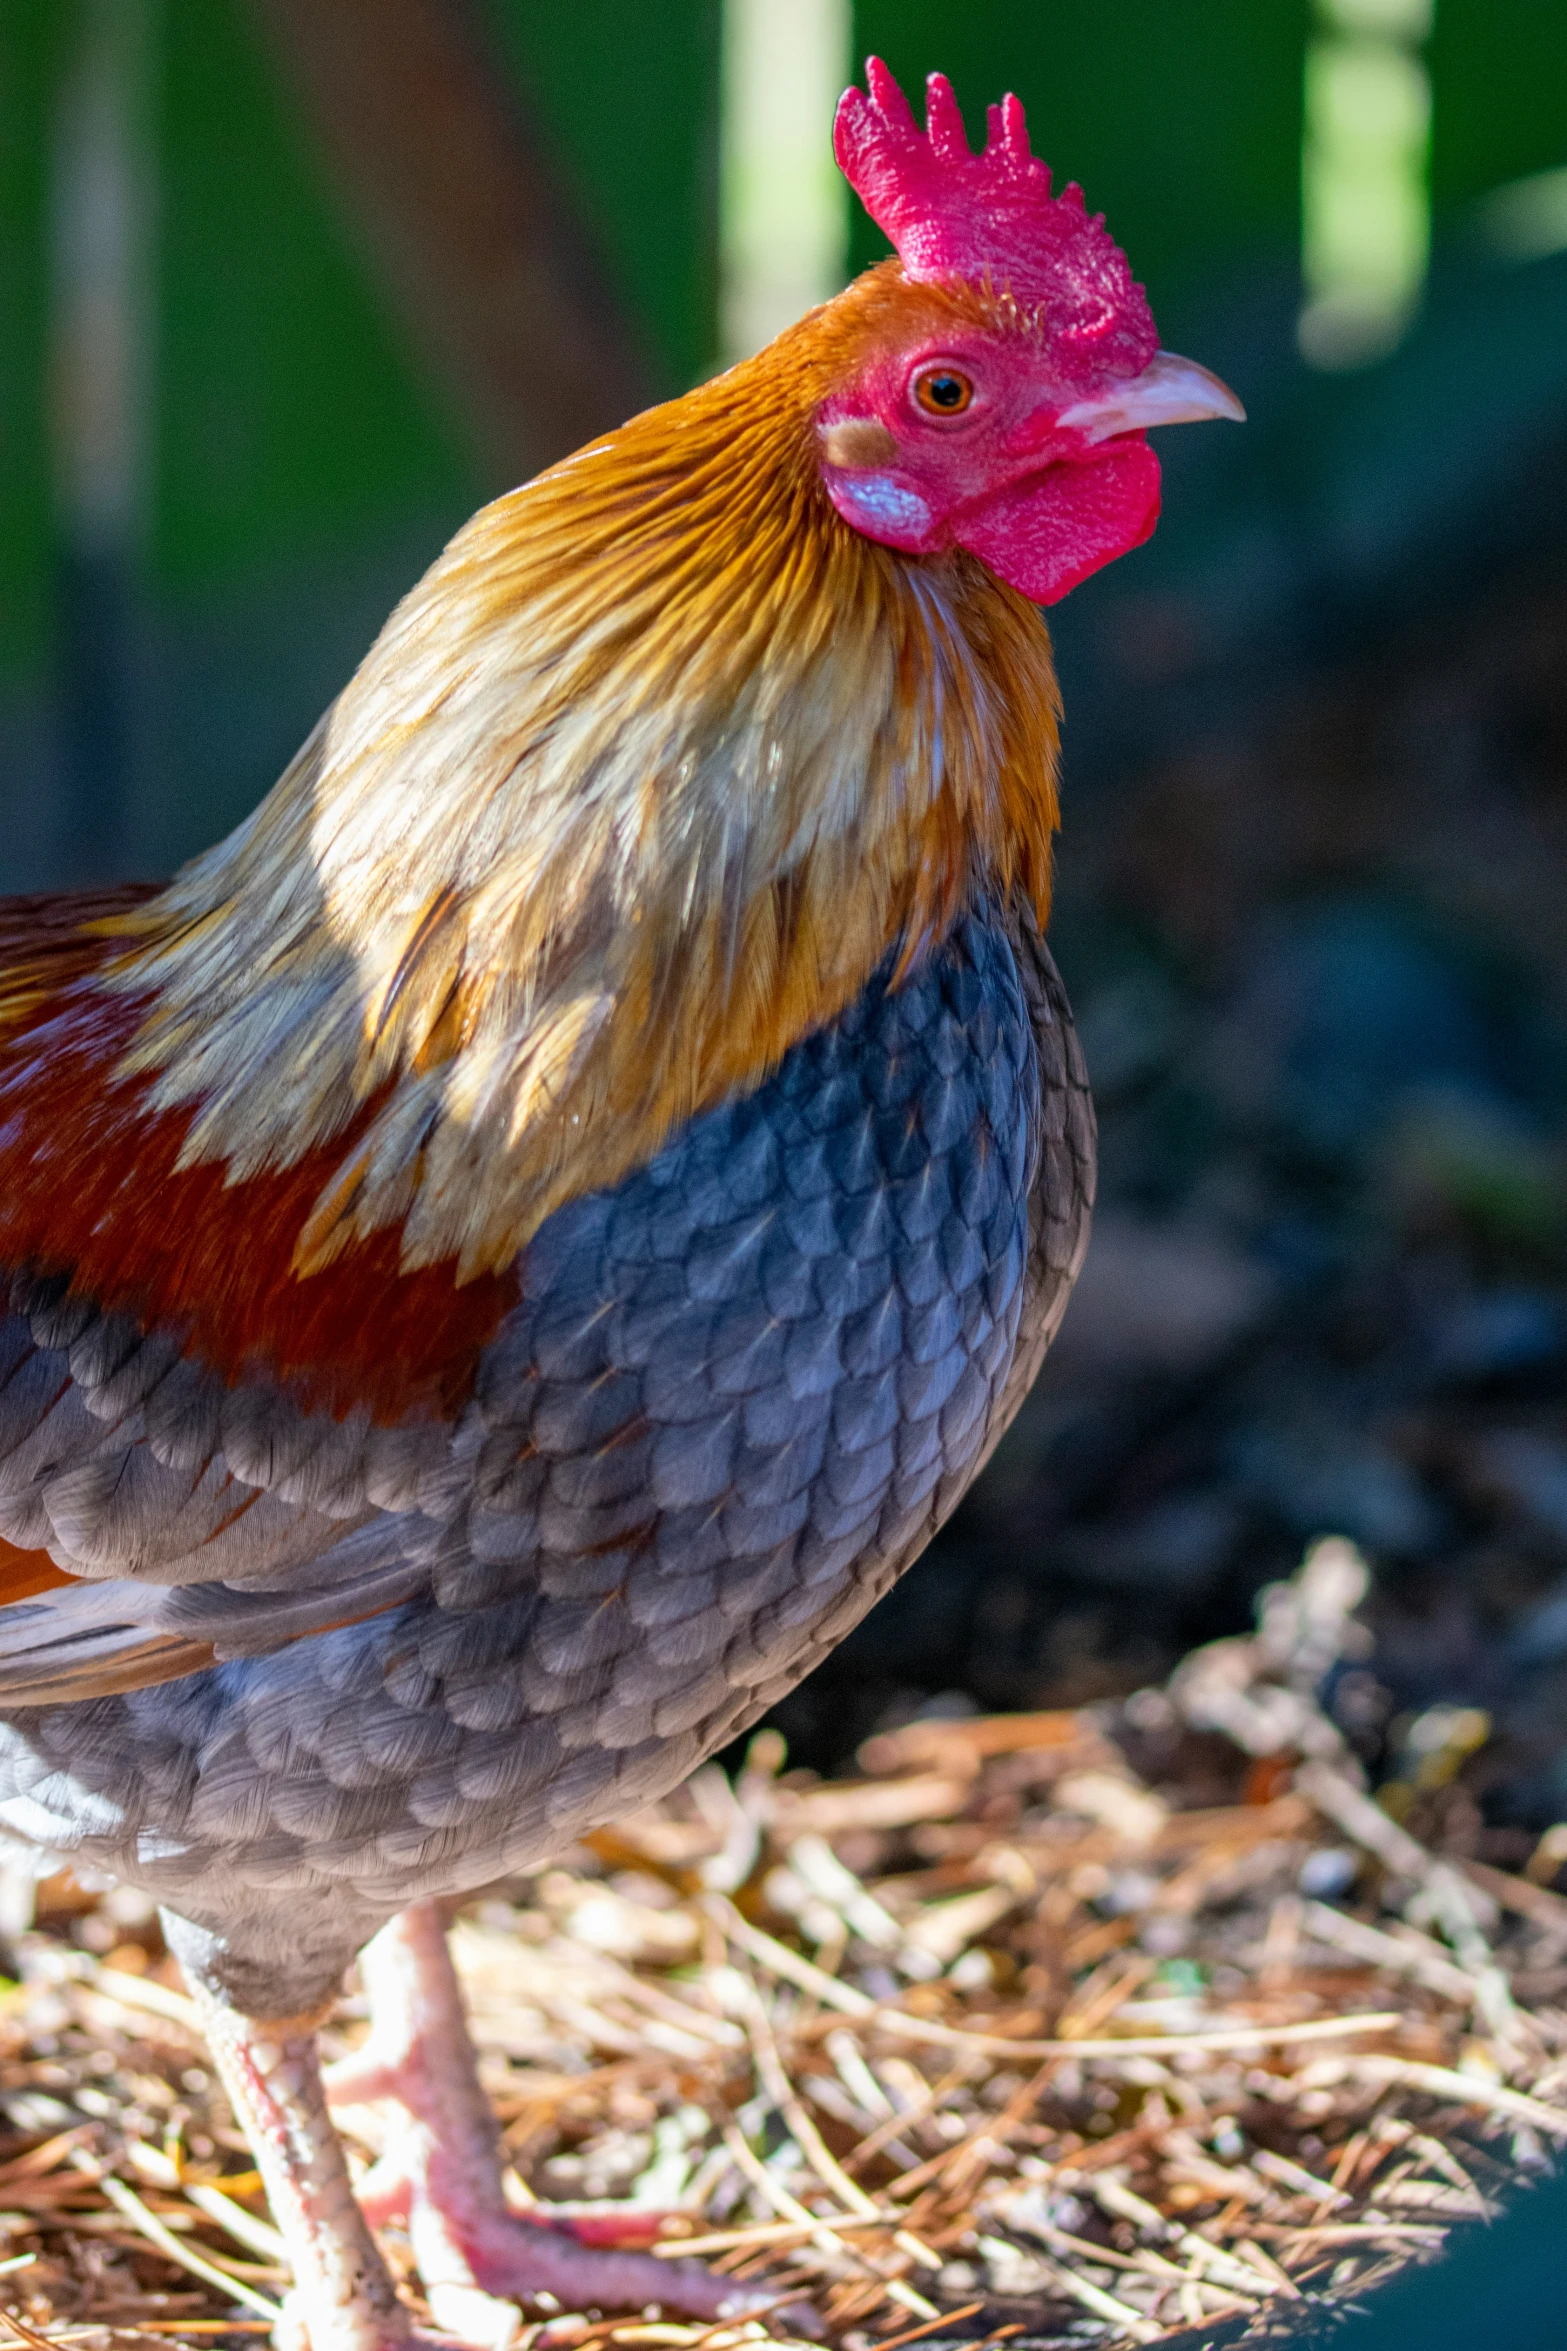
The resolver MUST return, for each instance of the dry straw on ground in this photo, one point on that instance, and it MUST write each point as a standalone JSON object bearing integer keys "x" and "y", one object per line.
{"x": 1132, "y": 2025}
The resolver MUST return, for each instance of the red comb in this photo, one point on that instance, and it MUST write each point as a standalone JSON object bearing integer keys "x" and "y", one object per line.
{"x": 990, "y": 217}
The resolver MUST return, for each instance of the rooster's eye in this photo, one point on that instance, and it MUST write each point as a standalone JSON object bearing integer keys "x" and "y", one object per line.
{"x": 943, "y": 391}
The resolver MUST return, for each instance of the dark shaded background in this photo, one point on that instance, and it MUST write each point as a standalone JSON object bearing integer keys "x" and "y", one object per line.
{"x": 391, "y": 255}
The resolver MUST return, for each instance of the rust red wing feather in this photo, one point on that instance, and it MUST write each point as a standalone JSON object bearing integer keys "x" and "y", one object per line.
{"x": 91, "y": 1188}
{"x": 178, "y": 1406}
{"x": 24, "y": 1574}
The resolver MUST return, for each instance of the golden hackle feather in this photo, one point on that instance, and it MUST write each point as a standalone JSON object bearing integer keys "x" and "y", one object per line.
{"x": 638, "y": 786}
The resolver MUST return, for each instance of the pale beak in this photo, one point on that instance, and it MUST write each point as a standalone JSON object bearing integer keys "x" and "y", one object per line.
{"x": 1170, "y": 390}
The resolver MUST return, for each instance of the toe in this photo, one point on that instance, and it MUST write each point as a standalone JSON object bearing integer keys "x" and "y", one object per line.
{"x": 385, "y": 2192}
{"x": 359, "y": 2080}
{"x": 525, "y": 2259}
{"x": 312, "y": 2322}
{"x": 473, "y": 2316}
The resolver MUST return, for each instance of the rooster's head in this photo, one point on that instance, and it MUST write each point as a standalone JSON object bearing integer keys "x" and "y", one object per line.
{"x": 1010, "y": 369}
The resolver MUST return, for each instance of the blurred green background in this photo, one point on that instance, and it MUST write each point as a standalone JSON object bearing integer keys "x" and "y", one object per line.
{"x": 297, "y": 456}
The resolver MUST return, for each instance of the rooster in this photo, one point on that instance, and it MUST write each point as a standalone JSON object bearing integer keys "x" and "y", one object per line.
{"x": 509, "y": 1255}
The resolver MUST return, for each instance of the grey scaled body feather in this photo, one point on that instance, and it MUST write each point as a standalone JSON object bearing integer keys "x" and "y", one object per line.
{"x": 743, "y": 1389}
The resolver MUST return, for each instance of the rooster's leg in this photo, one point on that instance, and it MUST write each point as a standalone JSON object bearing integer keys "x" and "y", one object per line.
{"x": 442, "y": 2166}
{"x": 343, "y": 2297}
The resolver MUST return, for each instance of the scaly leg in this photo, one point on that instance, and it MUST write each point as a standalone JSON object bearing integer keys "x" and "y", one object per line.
{"x": 343, "y": 2298}
{"x": 442, "y": 2169}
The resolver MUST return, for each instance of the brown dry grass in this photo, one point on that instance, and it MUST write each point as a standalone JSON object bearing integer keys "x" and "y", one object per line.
{"x": 1030, "y": 2033}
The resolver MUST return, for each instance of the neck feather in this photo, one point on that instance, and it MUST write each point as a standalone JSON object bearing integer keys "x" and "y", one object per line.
{"x": 637, "y": 787}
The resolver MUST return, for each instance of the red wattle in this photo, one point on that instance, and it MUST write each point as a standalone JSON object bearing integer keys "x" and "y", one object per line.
{"x": 1045, "y": 533}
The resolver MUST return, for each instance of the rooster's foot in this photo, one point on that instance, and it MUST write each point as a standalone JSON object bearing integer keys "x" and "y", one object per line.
{"x": 441, "y": 2170}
